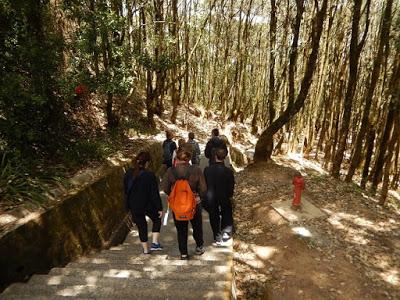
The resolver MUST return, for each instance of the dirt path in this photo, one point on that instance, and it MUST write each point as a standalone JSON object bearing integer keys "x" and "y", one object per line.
{"x": 352, "y": 253}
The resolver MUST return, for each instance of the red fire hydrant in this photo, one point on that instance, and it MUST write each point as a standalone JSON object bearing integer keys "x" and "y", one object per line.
{"x": 299, "y": 185}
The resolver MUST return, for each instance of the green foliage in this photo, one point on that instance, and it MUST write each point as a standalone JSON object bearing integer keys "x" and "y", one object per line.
{"x": 100, "y": 59}
{"x": 16, "y": 184}
{"x": 163, "y": 63}
{"x": 86, "y": 150}
{"x": 31, "y": 112}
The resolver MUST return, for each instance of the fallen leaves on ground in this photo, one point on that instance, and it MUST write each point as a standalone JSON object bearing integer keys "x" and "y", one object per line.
{"x": 352, "y": 253}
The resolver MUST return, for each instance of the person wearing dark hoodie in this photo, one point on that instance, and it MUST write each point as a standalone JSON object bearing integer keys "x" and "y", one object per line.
{"x": 195, "y": 149}
{"x": 218, "y": 202}
{"x": 195, "y": 177}
{"x": 142, "y": 198}
{"x": 212, "y": 145}
{"x": 169, "y": 146}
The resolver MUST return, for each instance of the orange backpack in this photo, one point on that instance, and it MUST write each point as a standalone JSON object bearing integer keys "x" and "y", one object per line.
{"x": 181, "y": 199}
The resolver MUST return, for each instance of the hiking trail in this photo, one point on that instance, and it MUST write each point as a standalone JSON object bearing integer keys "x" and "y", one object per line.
{"x": 122, "y": 272}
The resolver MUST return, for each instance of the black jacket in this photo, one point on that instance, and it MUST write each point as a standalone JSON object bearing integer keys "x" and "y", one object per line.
{"x": 220, "y": 183}
{"x": 141, "y": 193}
{"x": 214, "y": 143}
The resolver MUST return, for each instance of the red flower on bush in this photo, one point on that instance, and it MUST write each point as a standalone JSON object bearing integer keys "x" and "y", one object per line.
{"x": 81, "y": 89}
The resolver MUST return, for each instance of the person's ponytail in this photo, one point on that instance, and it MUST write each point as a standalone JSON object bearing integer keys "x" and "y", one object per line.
{"x": 140, "y": 161}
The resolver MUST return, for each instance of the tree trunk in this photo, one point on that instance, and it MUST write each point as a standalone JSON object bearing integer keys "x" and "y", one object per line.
{"x": 383, "y": 41}
{"x": 264, "y": 145}
{"x": 391, "y": 119}
{"x": 388, "y": 164}
{"x": 158, "y": 50}
{"x": 254, "y": 128}
{"x": 150, "y": 105}
{"x": 395, "y": 181}
{"x": 93, "y": 39}
{"x": 355, "y": 51}
{"x": 272, "y": 42}
{"x": 368, "y": 156}
{"x": 175, "y": 96}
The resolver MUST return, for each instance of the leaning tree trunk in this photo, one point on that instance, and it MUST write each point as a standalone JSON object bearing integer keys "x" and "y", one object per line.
{"x": 264, "y": 145}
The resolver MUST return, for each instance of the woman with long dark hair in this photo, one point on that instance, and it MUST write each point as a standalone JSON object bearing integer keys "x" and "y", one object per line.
{"x": 142, "y": 198}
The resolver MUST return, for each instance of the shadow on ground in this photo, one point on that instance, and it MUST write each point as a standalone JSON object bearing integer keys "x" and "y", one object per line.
{"x": 352, "y": 253}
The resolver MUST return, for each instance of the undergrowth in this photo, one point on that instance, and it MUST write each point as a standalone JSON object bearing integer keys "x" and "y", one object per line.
{"x": 29, "y": 177}
{"x": 17, "y": 184}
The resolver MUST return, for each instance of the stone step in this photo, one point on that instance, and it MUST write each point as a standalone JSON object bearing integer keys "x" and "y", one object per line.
{"x": 172, "y": 272}
{"x": 169, "y": 236}
{"x": 175, "y": 261}
{"x": 117, "y": 288}
{"x": 146, "y": 268}
{"x": 67, "y": 280}
{"x": 156, "y": 257}
{"x": 136, "y": 249}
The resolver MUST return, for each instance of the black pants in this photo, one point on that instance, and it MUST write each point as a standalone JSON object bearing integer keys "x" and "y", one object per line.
{"x": 141, "y": 223}
{"x": 221, "y": 218}
{"x": 215, "y": 219}
{"x": 226, "y": 216}
{"x": 168, "y": 163}
{"x": 182, "y": 230}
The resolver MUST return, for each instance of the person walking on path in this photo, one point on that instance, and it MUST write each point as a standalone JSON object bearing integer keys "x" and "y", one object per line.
{"x": 195, "y": 149}
{"x": 181, "y": 143}
{"x": 142, "y": 198}
{"x": 227, "y": 160}
{"x": 212, "y": 145}
{"x": 195, "y": 178}
{"x": 169, "y": 146}
{"x": 220, "y": 186}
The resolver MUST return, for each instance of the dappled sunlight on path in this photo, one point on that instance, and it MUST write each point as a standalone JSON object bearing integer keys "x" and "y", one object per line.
{"x": 352, "y": 252}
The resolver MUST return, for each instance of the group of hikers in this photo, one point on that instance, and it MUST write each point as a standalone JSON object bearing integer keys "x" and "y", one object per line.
{"x": 189, "y": 190}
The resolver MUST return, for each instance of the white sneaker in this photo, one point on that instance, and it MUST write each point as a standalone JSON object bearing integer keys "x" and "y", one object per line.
{"x": 225, "y": 236}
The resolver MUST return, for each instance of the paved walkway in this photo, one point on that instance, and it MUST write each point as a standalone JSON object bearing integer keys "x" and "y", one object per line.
{"x": 122, "y": 272}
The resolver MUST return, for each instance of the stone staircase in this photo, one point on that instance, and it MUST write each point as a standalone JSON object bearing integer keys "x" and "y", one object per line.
{"x": 122, "y": 272}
